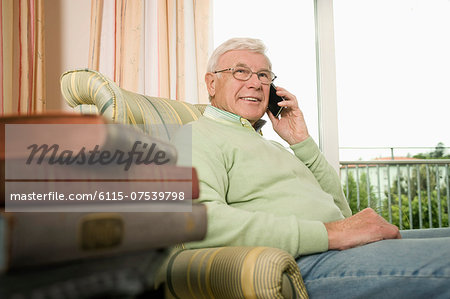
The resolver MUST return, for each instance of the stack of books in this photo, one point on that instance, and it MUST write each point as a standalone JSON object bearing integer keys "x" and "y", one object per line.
{"x": 111, "y": 237}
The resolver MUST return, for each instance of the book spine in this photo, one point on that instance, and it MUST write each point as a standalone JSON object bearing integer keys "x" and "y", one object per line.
{"x": 46, "y": 179}
{"x": 46, "y": 238}
{"x": 3, "y": 245}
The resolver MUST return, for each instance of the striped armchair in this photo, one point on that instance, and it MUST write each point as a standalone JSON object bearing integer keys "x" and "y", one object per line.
{"x": 225, "y": 272}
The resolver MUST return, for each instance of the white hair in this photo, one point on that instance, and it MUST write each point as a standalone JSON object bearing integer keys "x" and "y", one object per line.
{"x": 238, "y": 43}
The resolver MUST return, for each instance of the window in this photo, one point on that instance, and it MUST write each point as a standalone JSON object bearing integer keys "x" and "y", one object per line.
{"x": 287, "y": 29}
{"x": 393, "y": 74}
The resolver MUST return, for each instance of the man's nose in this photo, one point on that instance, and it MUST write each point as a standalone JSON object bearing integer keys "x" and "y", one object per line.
{"x": 254, "y": 81}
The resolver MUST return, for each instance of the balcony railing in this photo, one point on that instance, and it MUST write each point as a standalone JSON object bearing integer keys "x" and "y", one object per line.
{"x": 408, "y": 193}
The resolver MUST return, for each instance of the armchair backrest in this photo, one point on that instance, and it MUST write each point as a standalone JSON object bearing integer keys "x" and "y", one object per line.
{"x": 89, "y": 92}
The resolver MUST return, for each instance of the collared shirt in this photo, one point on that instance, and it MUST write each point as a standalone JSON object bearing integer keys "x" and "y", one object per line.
{"x": 225, "y": 116}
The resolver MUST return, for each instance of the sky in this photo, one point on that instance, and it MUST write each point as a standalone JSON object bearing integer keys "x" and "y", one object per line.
{"x": 392, "y": 67}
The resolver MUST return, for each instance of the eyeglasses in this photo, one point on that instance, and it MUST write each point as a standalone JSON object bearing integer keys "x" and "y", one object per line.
{"x": 244, "y": 73}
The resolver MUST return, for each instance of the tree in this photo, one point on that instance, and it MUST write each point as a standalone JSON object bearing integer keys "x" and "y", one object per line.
{"x": 438, "y": 153}
{"x": 424, "y": 210}
{"x": 419, "y": 193}
{"x": 356, "y": 204}
{"x": 417, "y": 214}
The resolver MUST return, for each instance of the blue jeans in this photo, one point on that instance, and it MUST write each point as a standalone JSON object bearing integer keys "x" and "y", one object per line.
{"x": 417, "y": 266}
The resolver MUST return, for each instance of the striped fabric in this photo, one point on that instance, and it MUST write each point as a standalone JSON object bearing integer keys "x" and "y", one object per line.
{"x": 22, "y": 53}
{"x": 201, "y": 107}
{"x": 157, "y": 117}
{"x": 153, "y": 47}
{"x": 234, "y": 272}
{"x": 86, "y": 109}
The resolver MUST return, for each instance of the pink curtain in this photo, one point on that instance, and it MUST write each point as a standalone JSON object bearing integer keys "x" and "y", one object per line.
{"x": 22, "y": 71}
{"x": 155, "y": 47}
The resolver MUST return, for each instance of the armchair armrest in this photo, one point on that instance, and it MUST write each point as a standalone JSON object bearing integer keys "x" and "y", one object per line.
{"x": 234, "y": 272}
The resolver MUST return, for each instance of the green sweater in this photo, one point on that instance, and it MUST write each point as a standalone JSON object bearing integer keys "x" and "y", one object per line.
{"x": 258, "y": 193}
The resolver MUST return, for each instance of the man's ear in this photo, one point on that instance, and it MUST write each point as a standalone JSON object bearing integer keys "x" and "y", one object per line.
{"x": 210, "y": 80}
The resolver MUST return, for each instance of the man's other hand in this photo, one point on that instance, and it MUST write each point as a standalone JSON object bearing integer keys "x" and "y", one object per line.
{"x": 360, "y": 229}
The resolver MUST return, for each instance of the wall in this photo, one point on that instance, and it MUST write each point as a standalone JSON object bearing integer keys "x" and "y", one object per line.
{"x": 67, "y": 25}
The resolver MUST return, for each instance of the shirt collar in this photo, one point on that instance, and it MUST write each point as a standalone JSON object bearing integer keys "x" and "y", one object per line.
{"x": 225, "y": 116}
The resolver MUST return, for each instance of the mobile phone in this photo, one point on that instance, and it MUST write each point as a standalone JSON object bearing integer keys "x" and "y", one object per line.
{"x": 274, "y": 99}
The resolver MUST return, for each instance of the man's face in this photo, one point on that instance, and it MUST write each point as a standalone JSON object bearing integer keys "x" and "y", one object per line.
{"x": 248, "y": 99}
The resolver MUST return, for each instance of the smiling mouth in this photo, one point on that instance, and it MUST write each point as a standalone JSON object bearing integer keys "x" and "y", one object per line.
{"x": 250, "y": 99}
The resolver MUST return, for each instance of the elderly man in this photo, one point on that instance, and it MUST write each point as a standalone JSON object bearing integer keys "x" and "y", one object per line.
{"x": 258, "y": 193}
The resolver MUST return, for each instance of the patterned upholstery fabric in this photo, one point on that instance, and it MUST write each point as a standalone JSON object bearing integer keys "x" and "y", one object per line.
{"x": 158, "y": 117}
{"x": 201, "y": 107}
{"x": 86, "y": 109}
{"x": 225, "y": 272}
{"x": 234, "y": 272}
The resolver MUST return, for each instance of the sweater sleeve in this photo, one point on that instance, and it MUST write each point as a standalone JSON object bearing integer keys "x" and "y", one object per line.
{"x": 308, "y": 152}
{"x": 230, "y": 226}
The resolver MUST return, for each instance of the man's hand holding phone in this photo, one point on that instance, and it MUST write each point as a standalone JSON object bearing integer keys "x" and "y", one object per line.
{"x": 291, "y": 125}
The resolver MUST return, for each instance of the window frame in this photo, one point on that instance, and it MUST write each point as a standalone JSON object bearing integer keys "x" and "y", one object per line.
{"x": 326, "y": 82}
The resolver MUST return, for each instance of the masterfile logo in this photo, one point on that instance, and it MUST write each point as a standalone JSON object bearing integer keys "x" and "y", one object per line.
{"x": 92, "y": 168}
{"x": 140, "y": 153}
